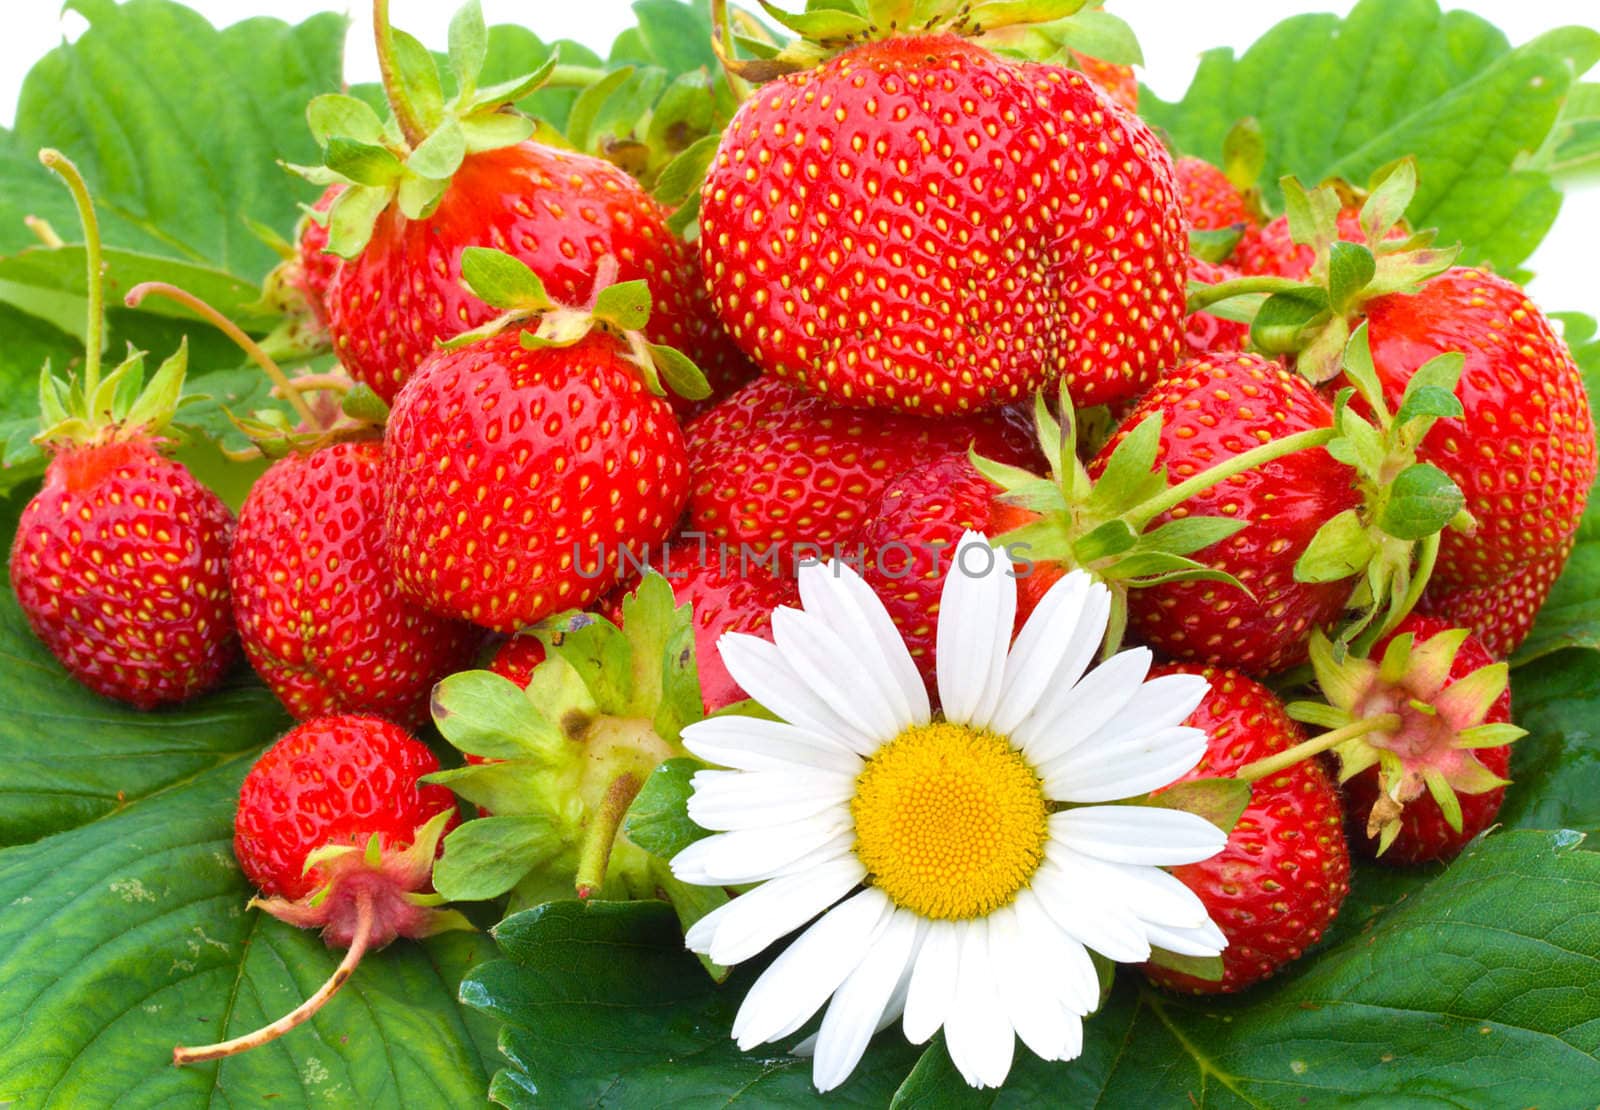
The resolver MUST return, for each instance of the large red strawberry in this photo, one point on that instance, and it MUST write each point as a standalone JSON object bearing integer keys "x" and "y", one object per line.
{"x": 120, "y": 562}
{"x": 1213, "y": 409}
{"x": 919, "y": 224}
{"x": 518, "y": 467}
{"x": 775, "y": 465}
{"x": 1502, "y": 614}
{"x": 336, "y": 832}
{"x": 1280, "y": 881}
{"x": 321, "y": 617}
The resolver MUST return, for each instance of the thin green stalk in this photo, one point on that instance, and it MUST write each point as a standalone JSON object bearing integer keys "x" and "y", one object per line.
{"x": 594, "y": 854}
{"x": 573, "y": 77}
{"x": 94, "y": 336}
{"x": 1178, "y": 494}
{"x": 1282, "y": 761}
{"x": 1204, "y": 296}
{"x": 404, "y": 113}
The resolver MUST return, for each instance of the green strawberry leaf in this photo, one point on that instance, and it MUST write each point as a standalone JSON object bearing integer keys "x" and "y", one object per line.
{"x": 1555, "y": 769}
{"x": 129, "y": 935}
{"x": 1396, "y": 78}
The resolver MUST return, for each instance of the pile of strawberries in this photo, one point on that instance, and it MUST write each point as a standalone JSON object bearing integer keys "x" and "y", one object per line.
{"x": 932, "y": 289}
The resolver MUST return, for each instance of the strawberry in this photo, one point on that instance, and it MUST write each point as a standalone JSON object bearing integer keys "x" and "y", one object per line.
{"x": 315, "y": 264}
{"x": 1210, "y": 200}
{"x": 1500, "y": 615}
{"x": 319, "y": 613}
{"x": 1205, "y": 333}
{"x": 774, "y": 465}
{"x": 408, "y": 213}
{"x": 1212, "y": 410}
{"x": 336, "y": 832}
{"x": 517, "y": 659}
{"x": 921, "y": 225}
{"x": 517, "y": 466}
{"x": 1422, "y": 731}
{"x": 120, "y": 561}
{"x": 1116, "y": 82}
{"x": 1280, "y": 881}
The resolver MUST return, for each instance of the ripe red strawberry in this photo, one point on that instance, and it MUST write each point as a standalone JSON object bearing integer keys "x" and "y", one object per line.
{"x": 919, "y": 224}
{"x": 773, "y": 464}
{"x": 1270, "y": 250}
{"x": 1204, "y": 333}
{"x": 1523, "y": 453}
{"x": 1214, "y": 409}
{"x": 1210, "y": 200}
{"x": 319, "y": 613}
{"x": 513, "y": 478}
{"x": 1501, "y": 615}
{"x": 1117, "y": 82}
{"x": 336, "y": 832}
{"x": 1280, "y": 881}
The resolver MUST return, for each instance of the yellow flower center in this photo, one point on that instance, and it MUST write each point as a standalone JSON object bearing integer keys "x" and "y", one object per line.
{"x": 950, "y": 821}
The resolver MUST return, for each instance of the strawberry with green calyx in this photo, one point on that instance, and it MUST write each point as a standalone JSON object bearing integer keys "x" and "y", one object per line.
{"x": 337, "y": 832}
{"x": 444, "y": 175}
{"x": 120, "y": 560}
{"x": 519, "y": 463}
{"x": 566, "y": 757}
{"x": 1421, "y": 730}
{"x": 871, "y": 231}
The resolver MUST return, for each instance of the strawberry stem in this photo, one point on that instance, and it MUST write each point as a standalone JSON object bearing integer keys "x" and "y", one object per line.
{"x": 1142, "y": 515}
{"x": 290, "y": 391}
{"x": 1282, "y": 761}
{"x": 94, "y": 335}
{"x": 405, "y": 114}
{"x": 1204, "y": 296}
{"x": 358, "y": 946}
{"x": 595, "y": 853}
{"x": 1427, "y": 556}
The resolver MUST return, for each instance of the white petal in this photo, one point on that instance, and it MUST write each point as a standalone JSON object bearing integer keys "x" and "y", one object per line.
{"x": 1034, "y": 1010}
{"x": 1089, "y": 915}
{"x": 754, "y": 744}
{"x": 1063, "y": 721}
{"x": 839, "y": 596}
{"x": 932, "y": 990}
{"x": 741, "y": 928}
{"x": 853, "y": 1015}
{"x": 1138, "y": 834}
{"x": 751, "y": 855}
{"x": 1161, "y": 703}
{"x": 800, "y": 980}
{"x": 1065, "y": 968}
{"x": 1080, "y": 649}
{"x": 831, "y": 667}
{"x": 761, "y": 669}
{"x": 1207, "y": 940}
{"x": 897, "y": 998}
{"x": 978, "y": 1032}
{"x": 1035, "y": 659}
{"x": 1107, "y": 772}
{"x": 1149, "y": 893}
{"x": 725, "y": 800}
{"x": 976, "y": 614}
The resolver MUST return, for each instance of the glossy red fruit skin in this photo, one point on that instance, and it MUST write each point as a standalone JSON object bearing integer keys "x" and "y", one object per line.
{"x": 512, "y": 478}
{"x": 1501, "y": 615}
{"x": 317, "y": 267}
{"x": 1204, "y": 333}
{"x": 120, "y": 564}
{"x": 1524, "y": 451}
{"x": 920, "y": 225}
{"x": 1424, "y": 835}
{"x": 516, "y": 659}
{"x": 1212, "y": 410}
{"x": 1268, "y": 249}
{"x": 909, "y": 534}
{"x": 331, "y": 781}
{"x": 1210, "y": 202}
{"x": 1278, "y": 884}
{"x": 1116, "y": 82}
{"x": 775, "y": 465}
{"x": 320, "y": 615}
{"x": 558, "y": 211}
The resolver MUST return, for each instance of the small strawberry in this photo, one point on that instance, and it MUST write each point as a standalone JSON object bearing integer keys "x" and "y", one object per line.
{"x": 1204, "y": 332}
{"x": 319, "y": 613}
{"x": 1117, "y": 82}
{"x": 1270, "y": 250}
{"x": 1422, "y": 731}
{"x": 1280, "y": 881}
{"x": 315, "y": 264}
{"x": 517, "y": 466}
{"x": 120, "y": 561}
{"x": 335, "y": 831}
{"x": 775, "y": 465}
{"x": 1210, "y": 201}
{"x": 1500, "y": 615}
{"x": 517, "y": 659}
{"x": 919, "y": 224}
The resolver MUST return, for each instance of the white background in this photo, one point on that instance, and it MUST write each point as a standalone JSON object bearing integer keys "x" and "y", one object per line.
{"x": 1172, "y": 32}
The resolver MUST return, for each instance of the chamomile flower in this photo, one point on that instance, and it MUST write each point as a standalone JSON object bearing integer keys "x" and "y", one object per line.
{"x": 963, "y": 863}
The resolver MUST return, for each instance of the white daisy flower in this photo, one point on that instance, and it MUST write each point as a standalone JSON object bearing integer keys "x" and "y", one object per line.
{"x": 964, "y": 863}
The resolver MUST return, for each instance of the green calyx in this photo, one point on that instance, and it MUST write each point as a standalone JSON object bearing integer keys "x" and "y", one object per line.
{"x": 569, "y": 755}
{"x": 1404, "y": 714}
{"x": 1311, "y": 319}
{"x": 410, "y": 158}
{"x": 621, "y": 309}
{"x": 1103, "y": 526}
{"x": 91, "y": 408}
{"x": 1392, "y": 540}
